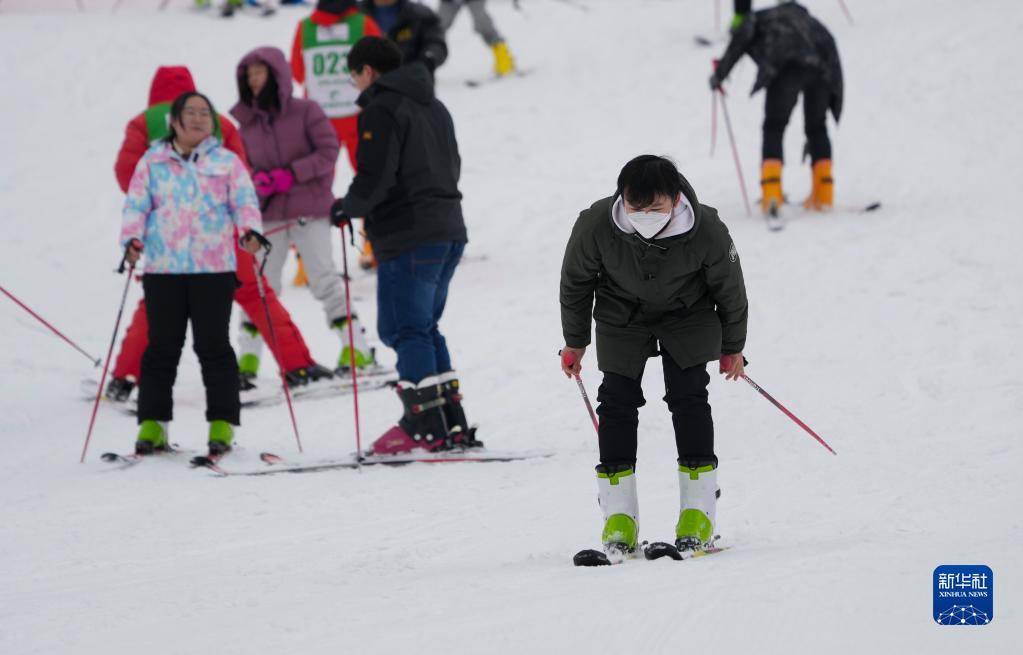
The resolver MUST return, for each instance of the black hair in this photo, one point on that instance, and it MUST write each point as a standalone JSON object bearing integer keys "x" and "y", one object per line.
{"x": 646, "y": 177}
{"x": 375, "y": 51}
{"x": 269, "y": 98}
{"x": 178, "y": 108}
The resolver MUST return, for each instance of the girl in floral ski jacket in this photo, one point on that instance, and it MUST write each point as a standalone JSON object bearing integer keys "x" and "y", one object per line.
{"x": 188, "y": 200}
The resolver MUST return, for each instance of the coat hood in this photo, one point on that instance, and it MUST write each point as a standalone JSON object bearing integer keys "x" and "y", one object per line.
{"x": 371, "y": 4}
{"x": 280, "y": 70}
{"x": 692, "y": 222}
{"x": 336, "y": 7}
{"x": 412, "y": 80}
{"x": 168, "y": 83}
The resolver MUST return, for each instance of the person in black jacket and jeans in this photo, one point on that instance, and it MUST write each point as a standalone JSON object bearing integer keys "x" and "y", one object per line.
{"x": 406, "y": 189}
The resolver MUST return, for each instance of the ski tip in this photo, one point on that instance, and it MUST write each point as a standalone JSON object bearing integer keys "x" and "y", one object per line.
{"x": 874, "y": 206}
{"x": 202, "y": 461}
{"x": 659, "y": 549}
{"x": 271, "y": 458}
{"x": 590, "y": 557}
{"x": 110, "y": 457}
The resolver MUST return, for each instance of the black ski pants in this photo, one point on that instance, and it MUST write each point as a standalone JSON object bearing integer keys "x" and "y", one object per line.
{"x": 172, "y": 302}
{"x": 685, "y": 391}
{"x": 782, "y": 94}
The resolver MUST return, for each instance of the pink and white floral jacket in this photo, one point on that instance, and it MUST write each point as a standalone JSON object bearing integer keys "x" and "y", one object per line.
{"x": 188, "y": 214}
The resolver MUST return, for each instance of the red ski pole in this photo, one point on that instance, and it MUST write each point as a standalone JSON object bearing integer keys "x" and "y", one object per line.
{"x": 110, "y": 352}
{"x": 95, "y": 360}
{"x": 713, "y": 122}
{"x": 351, "y": 341}
{"x": 258, "y": 269}
{"x": 845, "y": 10}
{"x": 568, "y": 358}
{"x": 788, "y": 413}
{"x": 735, "y": 152}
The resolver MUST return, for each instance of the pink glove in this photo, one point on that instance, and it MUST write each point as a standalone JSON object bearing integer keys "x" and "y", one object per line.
{"x": 264, "y": 183}
{"x": 282, "y": 180}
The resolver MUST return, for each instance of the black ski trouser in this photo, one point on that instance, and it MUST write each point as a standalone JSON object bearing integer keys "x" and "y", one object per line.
{"x": 172, "y": 302}
{"x": 782, "y": 94}
{"x": 685, "y": 391}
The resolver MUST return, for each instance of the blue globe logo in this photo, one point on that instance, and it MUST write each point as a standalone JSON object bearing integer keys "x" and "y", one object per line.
{"x": 963, "y": 615}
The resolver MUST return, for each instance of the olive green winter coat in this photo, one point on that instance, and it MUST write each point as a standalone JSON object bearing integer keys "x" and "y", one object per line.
{"x": 684, "y": 291}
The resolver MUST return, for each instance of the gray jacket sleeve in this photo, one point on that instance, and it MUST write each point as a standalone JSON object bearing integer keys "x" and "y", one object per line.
{"x": 580, "y": 273}
{"x": 725, "y": 282}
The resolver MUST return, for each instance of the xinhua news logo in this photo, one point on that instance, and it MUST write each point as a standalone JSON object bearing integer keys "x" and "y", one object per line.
{"x": 964, "y": 595}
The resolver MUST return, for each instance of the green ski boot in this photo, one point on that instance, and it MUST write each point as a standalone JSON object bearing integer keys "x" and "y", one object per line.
{"x": 698, "y": 485}
{"x": 364, "y": 355}
{"x": 250, "y": 344}
{"x": 152, "y": 437}
{"x": 221, "y": 436}
{"x": 616, "y": 493}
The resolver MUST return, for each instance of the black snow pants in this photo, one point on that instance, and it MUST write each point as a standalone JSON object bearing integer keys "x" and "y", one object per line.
{"x": 172, "y": 301}
{"x": 685, "y": 391}
{"x": 782, "y": 94}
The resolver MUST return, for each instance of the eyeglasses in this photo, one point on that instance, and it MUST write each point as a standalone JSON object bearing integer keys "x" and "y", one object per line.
{"x": 197, "y": 113}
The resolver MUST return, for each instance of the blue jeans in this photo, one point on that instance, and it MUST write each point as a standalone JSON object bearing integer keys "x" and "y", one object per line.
{"x": 412, "y": 289}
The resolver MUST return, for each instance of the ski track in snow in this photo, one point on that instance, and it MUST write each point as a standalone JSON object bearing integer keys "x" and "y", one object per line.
{"x": 893, "y": 334}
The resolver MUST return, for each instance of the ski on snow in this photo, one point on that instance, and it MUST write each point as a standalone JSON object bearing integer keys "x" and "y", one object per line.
{"x": 339, "y": 385}
{"x": 773, "y": 217}
{"x": 481, "y": 81}
{"x": 131, "y": 459}
{"x": 650, "y": 550}
{"x": 270, "y": 394}
{"x": 275, "y": 464}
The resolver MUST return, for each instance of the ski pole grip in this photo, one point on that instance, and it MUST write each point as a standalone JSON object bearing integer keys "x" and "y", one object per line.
{"x": 124, "y": 258}
{"x": 567, "y": 357}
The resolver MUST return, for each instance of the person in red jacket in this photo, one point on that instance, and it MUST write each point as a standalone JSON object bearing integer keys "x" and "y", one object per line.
{"x": 293, "y": 355}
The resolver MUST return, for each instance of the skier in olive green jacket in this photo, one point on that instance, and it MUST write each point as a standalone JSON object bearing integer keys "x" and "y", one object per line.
{"x": 667, "y": 280}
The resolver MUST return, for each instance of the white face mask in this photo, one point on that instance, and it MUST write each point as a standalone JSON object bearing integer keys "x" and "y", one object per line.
{"x": 648, "y": 223}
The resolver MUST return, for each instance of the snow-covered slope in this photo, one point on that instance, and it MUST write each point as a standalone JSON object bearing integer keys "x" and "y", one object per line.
{"x": 894, "y": 334}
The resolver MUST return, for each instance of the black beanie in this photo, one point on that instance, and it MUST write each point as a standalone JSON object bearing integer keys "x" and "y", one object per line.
{"x": 335, "y": 6}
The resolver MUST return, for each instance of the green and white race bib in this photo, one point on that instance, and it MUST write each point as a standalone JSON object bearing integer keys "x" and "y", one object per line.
{"x": 325, "y": 54}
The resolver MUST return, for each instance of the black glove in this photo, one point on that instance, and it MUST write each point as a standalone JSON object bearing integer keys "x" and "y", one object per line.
{"x": 338, "y": 217}
{"x": 715, "y": 82}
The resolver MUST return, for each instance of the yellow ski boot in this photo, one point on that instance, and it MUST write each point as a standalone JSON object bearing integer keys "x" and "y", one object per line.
{"x": 301, "y": 279}
{"x": 770, "y": 187}
{"x": 823, "y": 190}
{"x": 503, "y": 62}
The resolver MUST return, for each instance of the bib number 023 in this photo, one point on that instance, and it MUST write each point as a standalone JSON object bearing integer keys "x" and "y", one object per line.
{"x": 328, "y": 63}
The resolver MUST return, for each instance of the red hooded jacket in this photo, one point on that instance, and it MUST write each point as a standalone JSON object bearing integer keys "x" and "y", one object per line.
{"x": 168, "y": 83}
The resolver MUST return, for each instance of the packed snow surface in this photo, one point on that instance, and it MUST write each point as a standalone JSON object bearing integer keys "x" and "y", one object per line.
{"x": 894, "y": 334}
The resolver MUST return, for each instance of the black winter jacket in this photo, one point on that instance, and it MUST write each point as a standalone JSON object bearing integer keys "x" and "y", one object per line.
{"x": 781, "y": 36}
{"x": 685, "y": 293}
{"x": 417, "y": 33}
{"x": 408, "y": 166}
